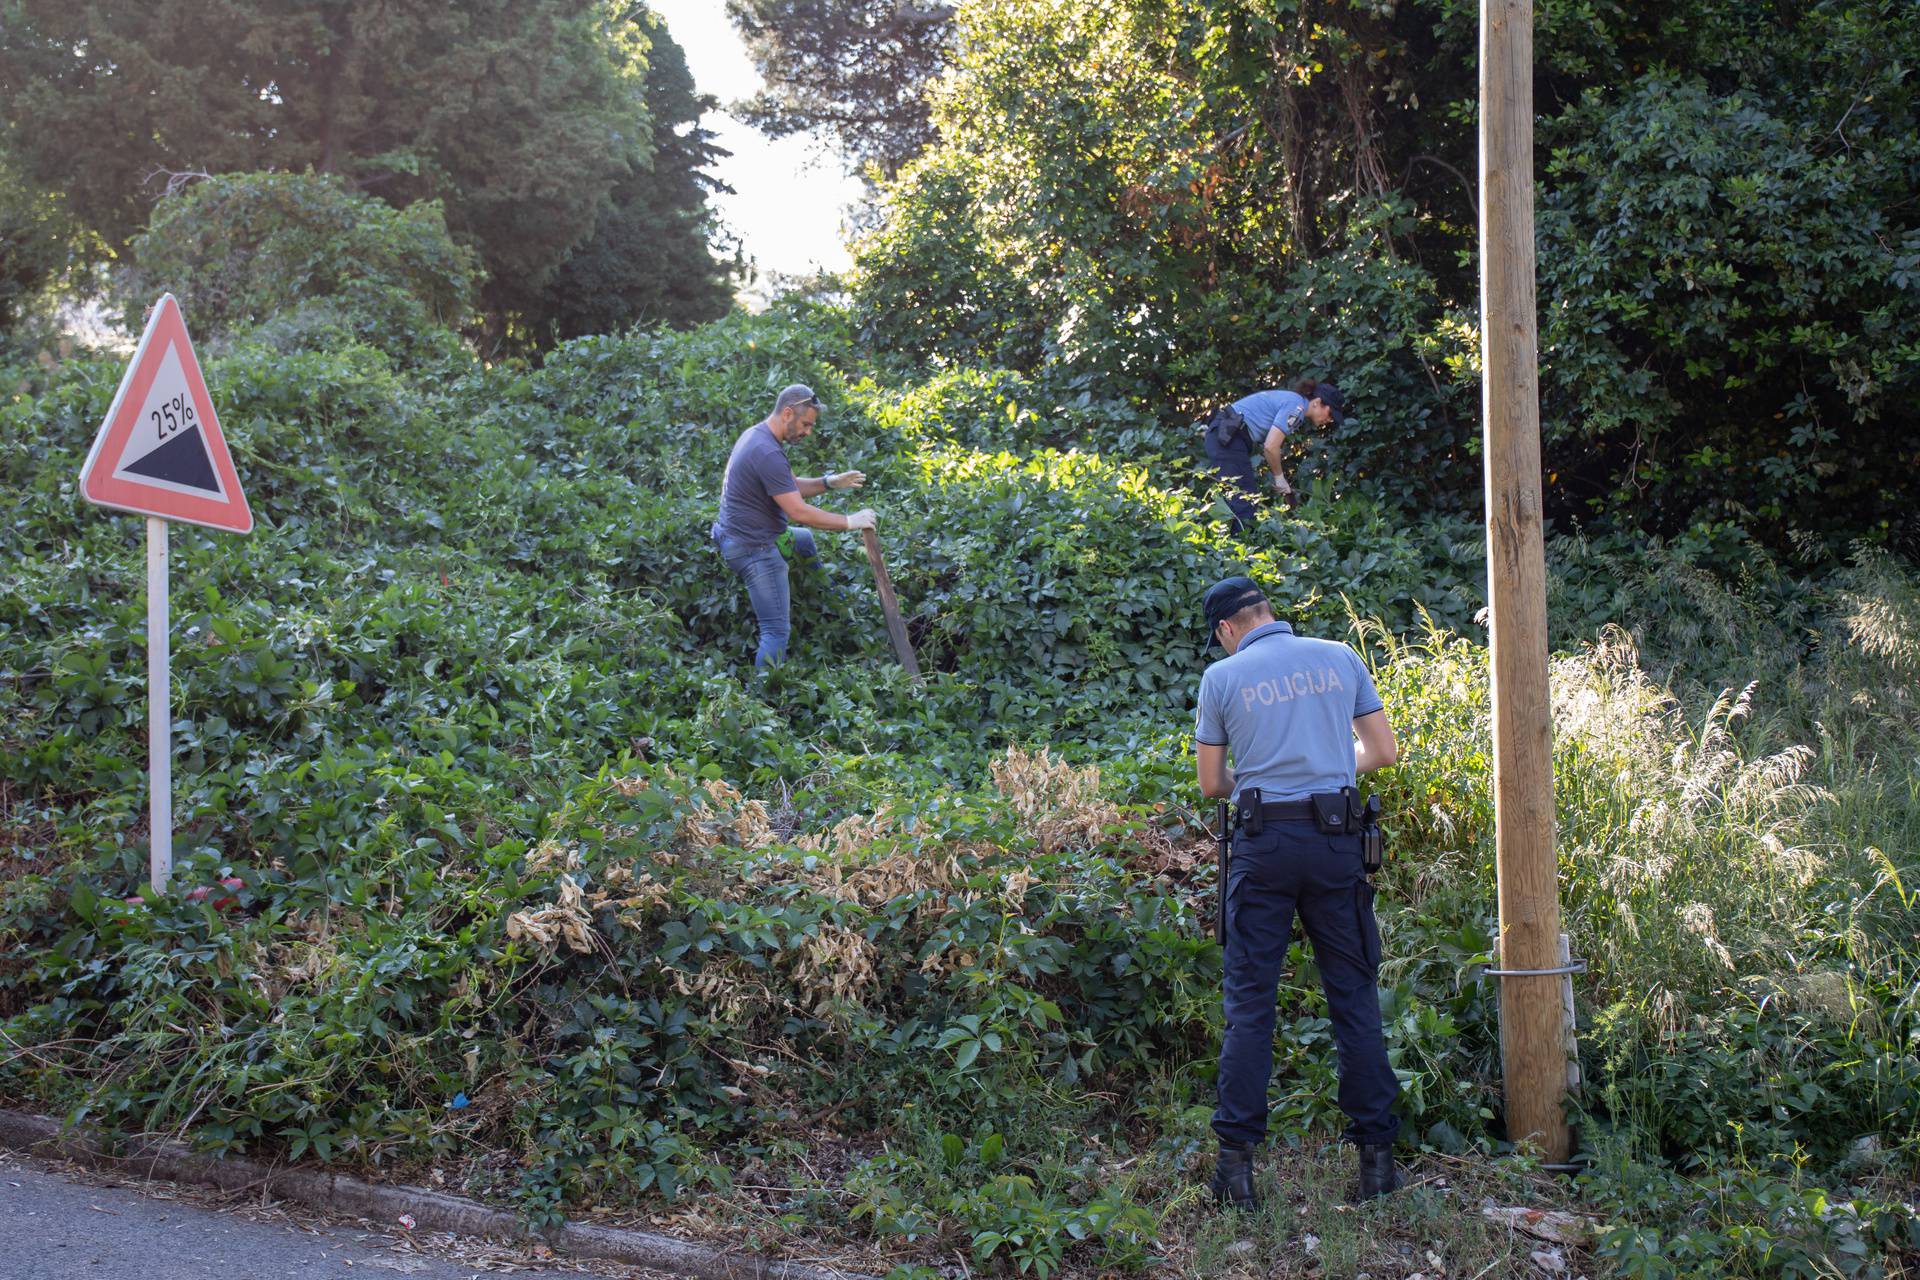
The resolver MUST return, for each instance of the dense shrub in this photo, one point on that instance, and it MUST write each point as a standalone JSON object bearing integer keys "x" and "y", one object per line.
{"x": 303, "y": 252}
{"x": 36, "y": 242}
{"x": 1703, "y": 249}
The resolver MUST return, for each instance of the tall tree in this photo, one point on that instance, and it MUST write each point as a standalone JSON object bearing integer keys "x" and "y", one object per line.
{"x": 523, "y": 116}
{"x": 650, "y": 259}
{"x": 37, "y": 240}
{"x": 856, "y": 69}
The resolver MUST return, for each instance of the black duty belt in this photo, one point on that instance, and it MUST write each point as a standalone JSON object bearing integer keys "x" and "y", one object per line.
{"x": 1282, "y": 811}
{"x": 1343, "y": 812}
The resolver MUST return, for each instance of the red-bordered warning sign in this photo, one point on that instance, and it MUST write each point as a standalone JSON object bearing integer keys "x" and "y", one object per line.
{"x": 160, "y": 451}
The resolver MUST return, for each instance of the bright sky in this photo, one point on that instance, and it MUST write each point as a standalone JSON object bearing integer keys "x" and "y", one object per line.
{"x": 789, "y": 194}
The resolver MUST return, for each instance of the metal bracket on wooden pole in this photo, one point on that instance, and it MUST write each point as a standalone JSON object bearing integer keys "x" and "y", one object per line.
{"x": 1575, "y": 966}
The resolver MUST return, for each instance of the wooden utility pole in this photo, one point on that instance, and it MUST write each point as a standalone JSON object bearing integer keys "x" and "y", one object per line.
{"x": 1532, "y": 1047}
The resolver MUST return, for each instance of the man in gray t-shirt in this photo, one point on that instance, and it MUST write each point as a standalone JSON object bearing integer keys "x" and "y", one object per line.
{"x": 1300, "y": 718}
{"x": 759, "y": 495}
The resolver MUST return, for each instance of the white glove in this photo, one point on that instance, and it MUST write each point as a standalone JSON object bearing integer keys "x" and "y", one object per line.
{"x": 846, "y": 479}
{"x": 862, "y": 519}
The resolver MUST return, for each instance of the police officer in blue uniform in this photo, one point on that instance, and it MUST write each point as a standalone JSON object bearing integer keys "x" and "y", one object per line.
{"x": 1260, "y": 423}
{"x": 1300, "y": 720}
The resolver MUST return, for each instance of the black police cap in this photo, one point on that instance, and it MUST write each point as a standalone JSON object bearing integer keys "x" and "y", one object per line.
{"x": 1226, "y": 598}
{"x": 1329, "y": 395}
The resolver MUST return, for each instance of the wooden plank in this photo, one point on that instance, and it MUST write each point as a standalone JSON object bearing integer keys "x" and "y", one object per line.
{"x": 1532, "y": 1031}
{"x": 896, "y": 629}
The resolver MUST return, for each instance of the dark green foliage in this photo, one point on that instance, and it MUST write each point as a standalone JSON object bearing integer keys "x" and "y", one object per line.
{"x": 928, "y": 283}
{"x": 36, "y": 242}
{"x": 409, "y": 103}
{"x": 855, "y": 70}
{"x": 242, "y": 250}
{"x": 650, "y": 259}
{"x": 1178, "y": 202}
{"x": 469, "y": 717}
{"x": 523, "y": 118}
{"x": 1710, "y": 250}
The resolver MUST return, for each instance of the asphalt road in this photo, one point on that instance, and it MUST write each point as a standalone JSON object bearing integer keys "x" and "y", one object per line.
{"x": 56, "y": 1227}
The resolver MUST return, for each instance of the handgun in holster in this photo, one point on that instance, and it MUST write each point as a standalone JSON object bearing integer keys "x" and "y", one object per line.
{"x": 1224, "y": 425}
{"x": 1373, "y": 838}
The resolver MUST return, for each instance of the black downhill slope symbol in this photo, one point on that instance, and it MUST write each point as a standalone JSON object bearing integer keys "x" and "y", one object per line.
{"x": 182, "y": 460}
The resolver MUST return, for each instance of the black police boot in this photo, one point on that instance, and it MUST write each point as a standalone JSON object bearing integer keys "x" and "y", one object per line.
{"x": 1378, "y": 1174}
{"x": 1233, "y": 1179}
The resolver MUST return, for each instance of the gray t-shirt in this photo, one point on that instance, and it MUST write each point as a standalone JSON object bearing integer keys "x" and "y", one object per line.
{"x": 1284, "y": 707}
{"x": 757, "y": 472}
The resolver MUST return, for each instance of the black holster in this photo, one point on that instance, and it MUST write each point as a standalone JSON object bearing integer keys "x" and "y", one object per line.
{"x": 1246, "y": 812}
{"x": 1373, "y": 841}
{"x": 1346, "y": 813}
{"x": 1224, "y": 425}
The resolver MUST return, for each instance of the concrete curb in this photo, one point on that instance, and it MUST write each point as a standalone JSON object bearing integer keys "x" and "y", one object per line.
{"x": 431, "y": 1210}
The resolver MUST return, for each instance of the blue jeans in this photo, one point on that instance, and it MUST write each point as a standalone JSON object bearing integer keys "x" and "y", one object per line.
{"x": 765, "y": 571}
{"x": 1290, "y": 867}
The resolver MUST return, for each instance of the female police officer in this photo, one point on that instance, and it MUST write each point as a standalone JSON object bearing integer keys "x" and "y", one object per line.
{"x": 1289, "y": 710}
{"x": 1260, "y": 423}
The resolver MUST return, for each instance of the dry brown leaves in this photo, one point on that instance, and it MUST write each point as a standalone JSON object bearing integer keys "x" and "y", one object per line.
{"x": 835, "y": 966}
{"x": 1059, "y": 806}
{"x": 629, "y": 892}
{"x": 303, "y": 955}
{"x": 727, "y": 988}
{"x": 563, "y": 921}
{"x": 725, "y": 817}
{"x": 850, "y": 868}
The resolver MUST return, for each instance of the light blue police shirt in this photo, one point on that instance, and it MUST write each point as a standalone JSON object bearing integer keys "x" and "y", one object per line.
{"x": 1265, "y": 410}
{"x": 1284, "y": 707}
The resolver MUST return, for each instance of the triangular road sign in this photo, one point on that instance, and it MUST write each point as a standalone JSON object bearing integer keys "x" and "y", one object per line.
{"x": 160, "y": 451}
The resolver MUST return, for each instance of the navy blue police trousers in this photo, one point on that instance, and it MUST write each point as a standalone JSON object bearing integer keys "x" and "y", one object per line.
{"x": 1234, "y": 466}
{"x": 1291, "y": 867}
